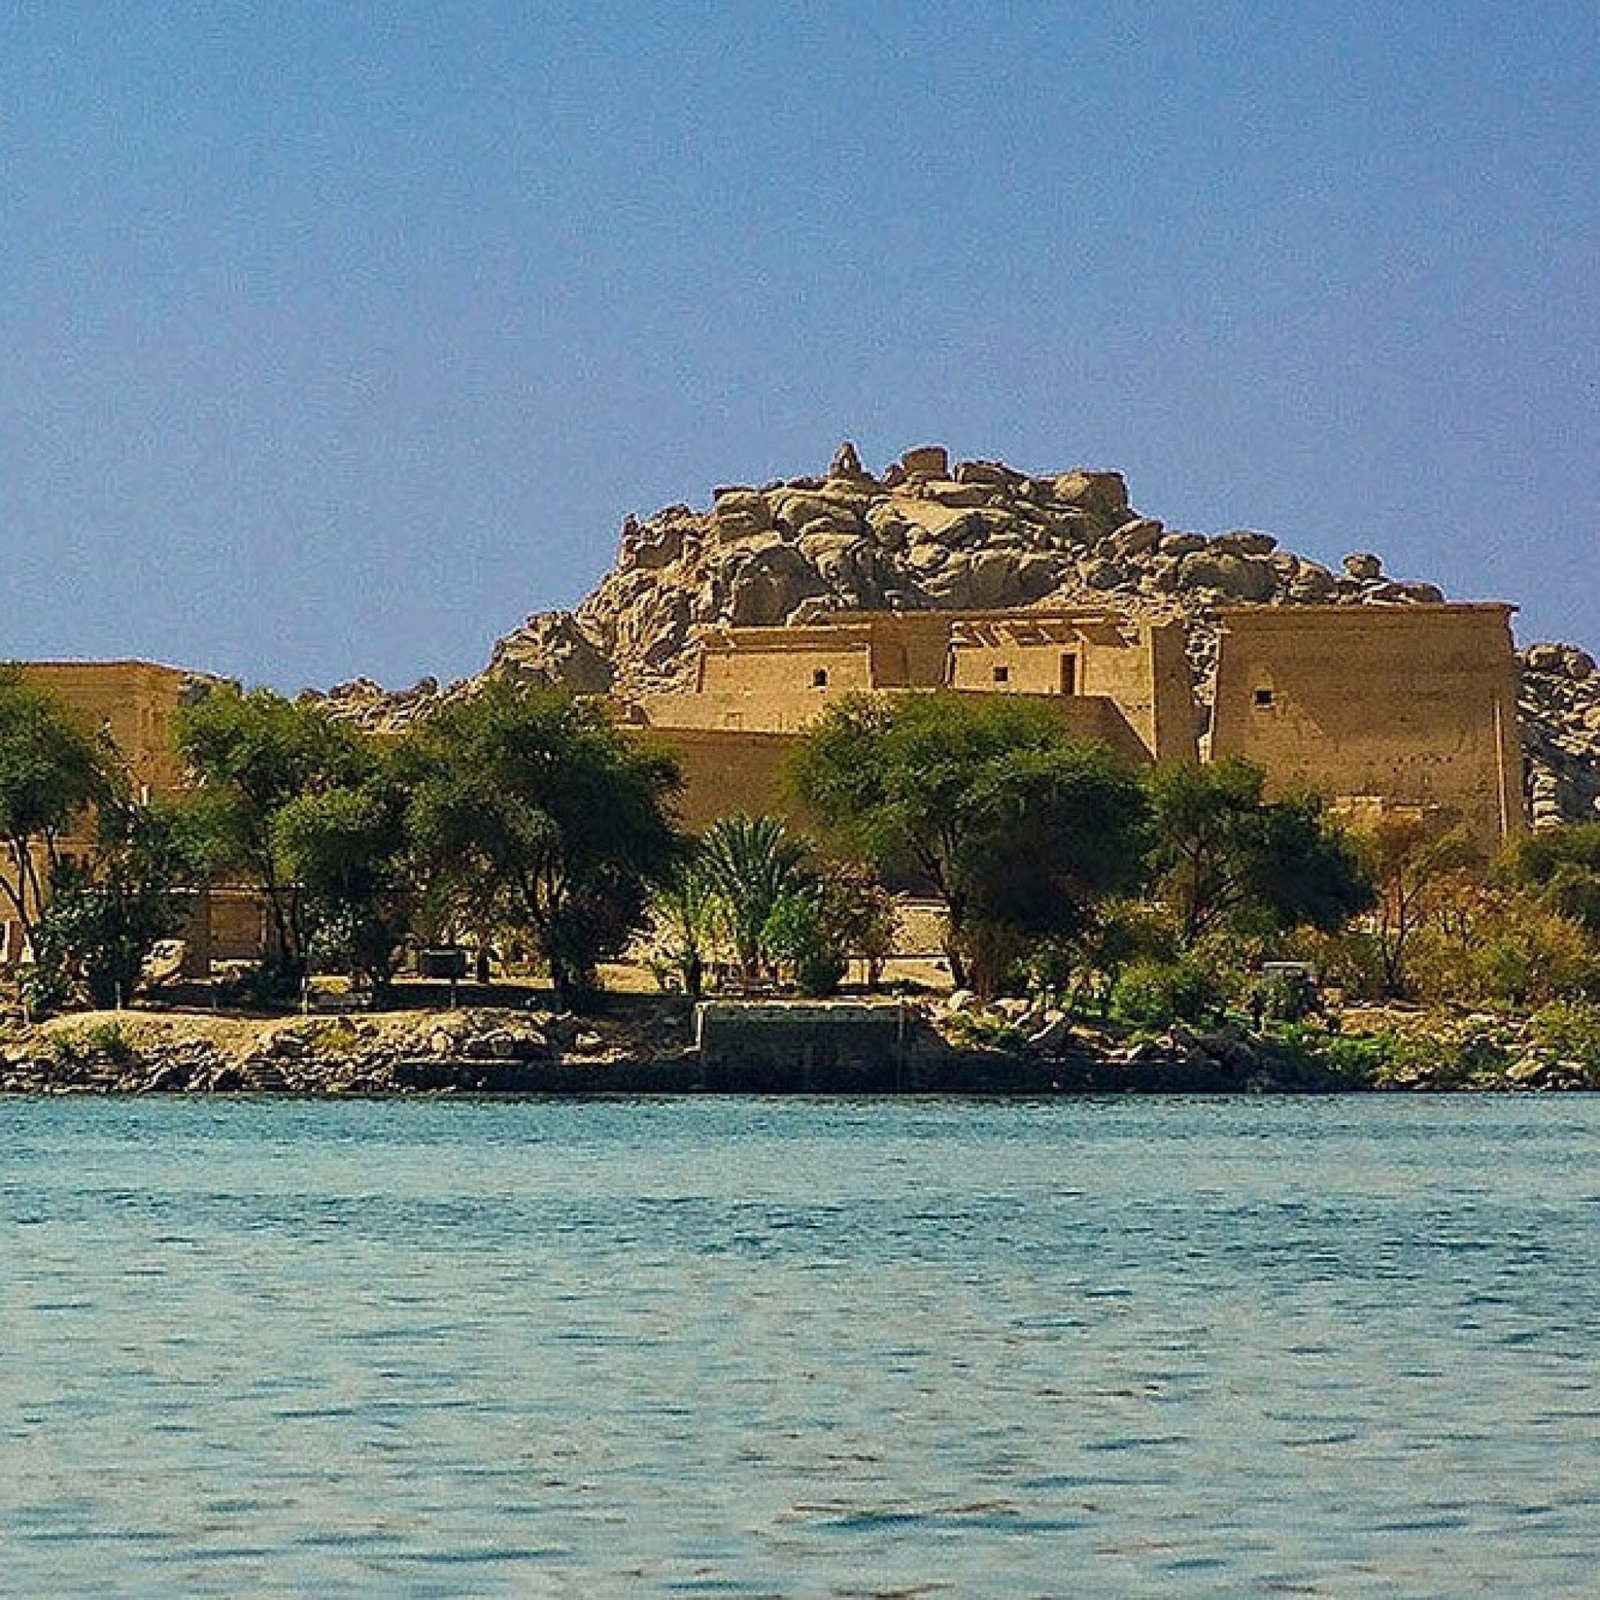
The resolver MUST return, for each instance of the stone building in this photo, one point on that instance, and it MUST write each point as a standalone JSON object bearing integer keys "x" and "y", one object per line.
{"x": 756, "y": 688}
{"x": 134, "y": 703}
{"x": 1378, "y": 707}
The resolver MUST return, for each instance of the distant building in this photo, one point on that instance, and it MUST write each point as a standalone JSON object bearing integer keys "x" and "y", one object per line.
{"x": 1410, "y": 708}
{"x": 755, "y": 689}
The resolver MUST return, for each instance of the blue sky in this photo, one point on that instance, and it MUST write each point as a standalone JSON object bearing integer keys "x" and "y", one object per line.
{"x": 337, "y": 337}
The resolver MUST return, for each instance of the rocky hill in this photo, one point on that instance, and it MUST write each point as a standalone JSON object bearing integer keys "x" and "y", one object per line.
{"x": 973, "y": 535}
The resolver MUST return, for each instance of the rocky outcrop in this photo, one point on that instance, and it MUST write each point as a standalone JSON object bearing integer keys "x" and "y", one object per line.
{"x": 931, "y": 534}
{"x": 1559, "y": 709}
{"x": 475, "y": 1049}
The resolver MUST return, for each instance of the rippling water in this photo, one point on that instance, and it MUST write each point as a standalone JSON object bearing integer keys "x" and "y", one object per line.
{"x": 732, "y": 1347}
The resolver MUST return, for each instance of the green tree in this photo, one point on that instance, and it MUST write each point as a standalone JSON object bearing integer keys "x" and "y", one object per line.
{"x": 1408, "y": 860}
{"x": 837, "y": 910}
{"x": 346, "y": 849}
{"x": 1561, "y": 867}
{"x": 52, "y": 770}
{"x": 534, "y": 811}
{"x": 802, "y": 942}
{"x": 683, "y": 914}
{"x": 1226, "y": 858}
{"x": 105, "y": 915}
{"x": 255, "y": 755}
{"x": 1015, "y": 826}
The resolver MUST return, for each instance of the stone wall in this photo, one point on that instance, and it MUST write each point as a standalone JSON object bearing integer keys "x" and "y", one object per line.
{"x": 726, "y": 770}
{"x": 1413, "y": 705}
{"x": 1126, "y": 682}
{"x": 134, "y": 701}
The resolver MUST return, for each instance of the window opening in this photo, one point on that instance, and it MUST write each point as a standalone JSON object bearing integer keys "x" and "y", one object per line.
{"x": 1263, "y": 698}
{"x": 819, "y": 678}
{"x": 1002, "y": 674}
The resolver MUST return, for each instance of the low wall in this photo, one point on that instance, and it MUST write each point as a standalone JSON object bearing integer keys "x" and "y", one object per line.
{"x": 796, "y": 1047}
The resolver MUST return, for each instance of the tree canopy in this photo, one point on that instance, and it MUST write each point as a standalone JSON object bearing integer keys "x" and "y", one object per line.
{"x": 257, "y": 755}
{"x": 1016, "y": 826}
{"x": 1226, "y": 857}
{"x": 52, "y": 769}
{"x": 532, "y": 810}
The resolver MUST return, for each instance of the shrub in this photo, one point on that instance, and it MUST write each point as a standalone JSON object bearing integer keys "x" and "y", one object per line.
{"x": 1154, "y": 993}
{"x": 111, "y": 1040}
{"x": 798, "y": 935}
{"x": 1287, "y": 996}
{"x": 1570, "y": 1031}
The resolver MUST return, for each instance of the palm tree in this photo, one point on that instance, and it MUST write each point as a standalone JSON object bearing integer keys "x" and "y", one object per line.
{"x": 750, "y": 863}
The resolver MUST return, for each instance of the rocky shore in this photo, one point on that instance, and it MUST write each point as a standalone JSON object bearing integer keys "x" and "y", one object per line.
{"x": 648, "y": 1046}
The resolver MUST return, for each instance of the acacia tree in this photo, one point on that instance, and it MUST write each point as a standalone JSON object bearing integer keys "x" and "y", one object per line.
{"x": 533, "y": 810}
{"x": 1226, "y": 857}
{"x": 106, "y": 914}
{"x": 52, "y": 770}
{"x": 1409, "y": 862}
{"x": 1014, "y": 825}
{"x": 346, "y": 849}
{"x": 256, "y": 755}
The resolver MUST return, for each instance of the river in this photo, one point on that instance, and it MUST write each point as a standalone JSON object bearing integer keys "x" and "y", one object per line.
{"x": 728, "y": 1347}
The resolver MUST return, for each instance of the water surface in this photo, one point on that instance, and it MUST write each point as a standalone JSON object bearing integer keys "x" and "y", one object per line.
{"x": 737, "y": 1347}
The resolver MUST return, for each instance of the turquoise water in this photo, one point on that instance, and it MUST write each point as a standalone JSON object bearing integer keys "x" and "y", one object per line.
{"x": 735, "y": 1347}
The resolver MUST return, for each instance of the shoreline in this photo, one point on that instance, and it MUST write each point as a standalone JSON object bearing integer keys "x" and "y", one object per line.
{"x": 657, "y": 1046}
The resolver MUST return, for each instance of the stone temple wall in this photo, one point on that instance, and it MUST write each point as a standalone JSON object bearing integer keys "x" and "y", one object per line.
{"x": 1411, "y": 706}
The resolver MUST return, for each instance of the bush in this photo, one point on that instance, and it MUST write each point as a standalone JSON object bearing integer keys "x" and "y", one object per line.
{"x": 75, "y": 1049}
{"x": 264, "y": 986}
{"x": 1570, "y": 1031}
{"x": 1153, "y": 993}
{"x": 798, "y": 935}
{"x": 110, "y": 1040}
{"x": 1287, "y": 996}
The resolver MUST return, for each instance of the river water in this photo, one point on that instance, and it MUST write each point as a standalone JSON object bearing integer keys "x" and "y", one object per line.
{"x": 740, "y": 1347}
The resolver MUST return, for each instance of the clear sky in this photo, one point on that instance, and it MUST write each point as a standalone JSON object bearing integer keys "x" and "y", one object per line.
{"x": 336, "y": 337}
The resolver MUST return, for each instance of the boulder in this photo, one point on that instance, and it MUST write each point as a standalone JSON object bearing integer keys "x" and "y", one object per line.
{"x": 551, "y": 650}
{"x": 1237, "y": 577}
{"x": 1103, "y": 494}
{"x": 769, "y": 585}
{"x": 1312, "y": 585}
{"x": 926, "y": 461}
{"x": 846, "y": 464}
{"x": 1099, "y": 572}
{"x": 1245, "y": 542}
{"x": 950, "y": 493}
{"x": 1137, "y": 537}
{"x": 1363, "y": 566}
{"x": 992, "y": 474}
{"x": 797, "y": 509}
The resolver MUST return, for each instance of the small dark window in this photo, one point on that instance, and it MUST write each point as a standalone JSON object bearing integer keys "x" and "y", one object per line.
{"x": 1002, "y": 674}
{"x": 1263, "y": 697}
{"x": 819, "y": 678}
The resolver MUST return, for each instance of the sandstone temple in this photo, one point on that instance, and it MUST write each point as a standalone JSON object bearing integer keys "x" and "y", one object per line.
{"x": 1411, "y": 708}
